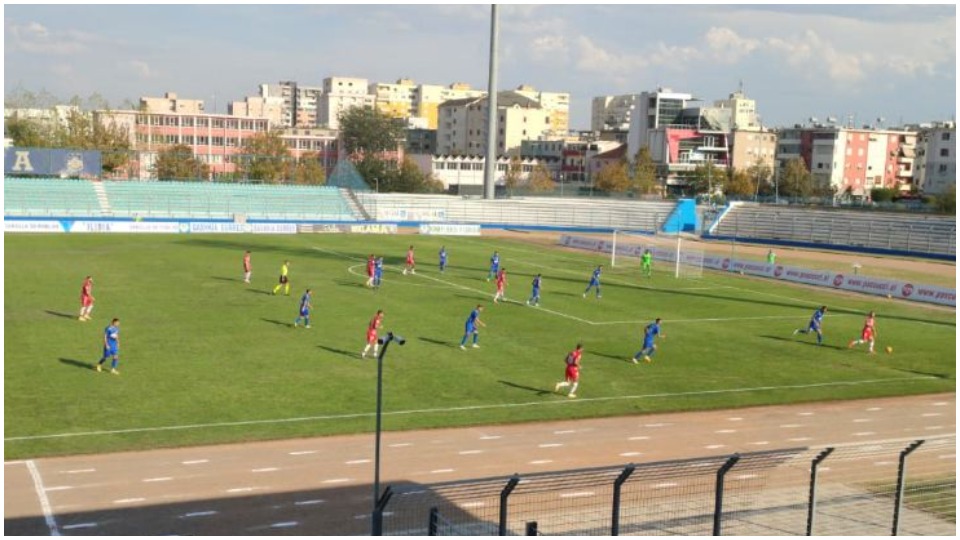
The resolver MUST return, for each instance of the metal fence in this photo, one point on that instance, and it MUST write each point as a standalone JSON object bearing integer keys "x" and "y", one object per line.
{"x": 882, "y": 488}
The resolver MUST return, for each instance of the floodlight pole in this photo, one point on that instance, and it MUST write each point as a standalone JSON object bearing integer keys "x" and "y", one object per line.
{"x": 489, "y": 191}
{"x": 376, "y": 523}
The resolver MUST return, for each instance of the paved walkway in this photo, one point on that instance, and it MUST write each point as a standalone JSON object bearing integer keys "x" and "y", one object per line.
{"x": 324, "y": 485}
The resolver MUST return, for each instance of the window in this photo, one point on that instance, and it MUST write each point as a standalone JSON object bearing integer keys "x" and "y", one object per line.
{"x": 218, "y": 122}
{"x": 186, "y": 121}
{"x": 942, "y": 169}
{"x": 203, "y": 122}
{"x": 464, "y": 166}
{"x": 188, "y": 140}
{"x": 945, "y": 136}
{"x": 216, "y": 141}
{"x": 944, "y": 152}
{"x": 202, "y": 141}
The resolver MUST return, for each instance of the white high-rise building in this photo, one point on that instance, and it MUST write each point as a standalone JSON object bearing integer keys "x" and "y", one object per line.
{"x": 935, "y": 169}
{"x": 340, "y": 94}
{"x": 613, "y": 113}
{"x": 654, "y": 110}
{"x": 462, "y": 124}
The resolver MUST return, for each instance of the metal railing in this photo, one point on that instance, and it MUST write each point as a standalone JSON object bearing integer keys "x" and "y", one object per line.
{"x": 891, "y": 487}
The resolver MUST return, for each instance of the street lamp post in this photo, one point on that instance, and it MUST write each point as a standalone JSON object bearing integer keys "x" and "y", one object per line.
{"x": 376, "y": 517}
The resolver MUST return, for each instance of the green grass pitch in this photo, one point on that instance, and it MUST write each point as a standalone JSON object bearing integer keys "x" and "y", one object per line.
{"x": 208, "y": 359}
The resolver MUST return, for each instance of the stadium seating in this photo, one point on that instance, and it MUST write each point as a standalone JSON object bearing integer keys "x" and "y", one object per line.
{"x": 916, "y": 233}
{"x": 49, "y": 197}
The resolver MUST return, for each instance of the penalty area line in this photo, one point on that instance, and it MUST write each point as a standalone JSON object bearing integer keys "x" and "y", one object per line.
{"x": 446, "y": 410}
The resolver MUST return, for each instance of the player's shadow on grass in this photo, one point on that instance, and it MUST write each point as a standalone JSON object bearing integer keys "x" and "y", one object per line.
{"x": 342, "y": 352}
{"x": 349, "y": 283}
{"x": 945, "y": 376}
{"x": 620, "y": 358}
{"x": 538, "y": 391}
{"x": 261, "y": 291}
{"x": 278, "y": 323}
{"x": 437, "y": 342}
{"x": 78, "y": 364}
{"x": 58, "y": 314}
{"x": 221, "y": 278}
{"x": 803, "y": 342}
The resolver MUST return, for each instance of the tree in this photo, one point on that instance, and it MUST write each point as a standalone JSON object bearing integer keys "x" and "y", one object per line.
{"x": 741, "y": 184}
{"x": 308, "y": 170}
{"x": 514, "y": 176}
{"x": 177, "y": 162}
{"x": 946, "y": 202}
{"x": 83, "y": 131}
{"x": 540, "y": 179}
{"x": 369, "y": 131}
{"x": 613, "y": 177}
{"x": 26, "y": 133}
{"x": 882, "y": 194}
{"x": 796, "y": 180}
{"x": 761, "y": 173}
{"x": 707, "y": 179}
{"x": 264, "y": 157}
{"x": 645, "y": 174}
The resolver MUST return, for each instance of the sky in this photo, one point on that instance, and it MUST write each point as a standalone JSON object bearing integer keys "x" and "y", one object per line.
{"x": 855, "y": 62}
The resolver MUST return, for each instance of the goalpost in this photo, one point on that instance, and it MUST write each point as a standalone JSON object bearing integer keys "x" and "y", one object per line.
{"x": 684, "y": 261}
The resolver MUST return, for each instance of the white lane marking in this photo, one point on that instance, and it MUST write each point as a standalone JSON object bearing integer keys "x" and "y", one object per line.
{"x": 861, "y": 420}
{"x": 196, "y": 461}
{"x": 564, "y": 432}
{"x": 441, "y": 471}
{"x": 799, "y": 439}
{"x": 735, "y": 419}
{"x": 241, "y": 490}
{"x": 664, "y": 485}
{"x": 940, "y": 404}
{"x": 638, "y": 438}
{"x": 714, "y": 446}
{"x": 872, "y": 409}
{"x": 474, "y": 504}
{"x": 158, "y": 479}
{"x": 541, "y": 461}
{"x": 199, "y": 514}
{"x": 744, "y": 476}
{"x": 790, "y": 426}
{"x": 303, "y": 452}
{"x": 284, "y": 524}
{"x": 309, "y": 502}
{"x": 265, "y": 469}
{"x": 760, "y": 443}
{"x": 823, "y": 469}
{"x": 58, "y": 488}
{"x": 72, "y": 526}
{"x": 863, "y": 433}
{"x": 725, "y": 431}
{"x": 577, "y": 494}
{"x": 930, "y": 414}
{"x": 881, "y": 463}
{"x": 357, "y": 461}
{"x": 490, "y": 437}
{"x": 549, "y": 403}
{"x": 549, "y": 445}
{"x": 933, "y": 427}
{"x": 947, "y": 456}
{"x": 469, "y": 452}
{"x": 48, "y": 516}
{"x": 79, "y": 471}
{"x": 129, "y": 500}
{"x": 400, "y": 445}
{"x": 337, "y": 481}
{"x": 631, "y": 454}
{"x": 805, "y": 414}
{"x": 656, "y": 425}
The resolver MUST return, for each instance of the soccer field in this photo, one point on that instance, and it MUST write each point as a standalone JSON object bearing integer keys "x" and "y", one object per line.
{"x": 205, "y": 358}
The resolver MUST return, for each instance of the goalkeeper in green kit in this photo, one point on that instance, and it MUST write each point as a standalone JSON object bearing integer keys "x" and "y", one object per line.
{"x": 646, "y": 263}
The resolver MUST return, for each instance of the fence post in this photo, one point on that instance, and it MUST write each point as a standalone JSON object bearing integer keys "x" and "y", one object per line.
{"x": 504, "y": 495}
{"x": 812, "y": 504}
{"x": 901, "y": 473}
{"x": 617, "y": 485}
{"x": 378, "y": 511}
{"x": 532, "y": 528}
{"x": 718, "y": 499}
{"x": 433, "y": 522}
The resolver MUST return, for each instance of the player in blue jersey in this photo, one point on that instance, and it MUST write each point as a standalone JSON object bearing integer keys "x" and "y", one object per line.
{"x": 111, "y": 346}
{"x": 377, "y": 272}
{"x": 443, "y": 258}
{"x": 494, "y": 265}
{"x": 816, "y": 325}
{"x": 472, "y": 327}
{"x": 594, "y": 281}
{"x": 650, "y": 332}
{"x": 535, "y": 294}
{"x": 305, "y": 307}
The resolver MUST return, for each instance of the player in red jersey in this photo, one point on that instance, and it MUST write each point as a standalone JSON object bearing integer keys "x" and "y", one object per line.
{"x": 572, "y": 374}
{"x": 371, "y": 263}
{"x": 868, "y": 334}
{"x": 247, "y": 267}
{"x": 372, "y": 328}
{"x": 501, "y": 285}
{"x": 86, "y": 299}
{"x": 411, "y": 265}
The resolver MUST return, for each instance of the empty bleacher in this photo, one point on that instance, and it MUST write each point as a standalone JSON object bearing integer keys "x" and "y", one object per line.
{"x": 913, "y": 233}
{"x": 44, "y": 197}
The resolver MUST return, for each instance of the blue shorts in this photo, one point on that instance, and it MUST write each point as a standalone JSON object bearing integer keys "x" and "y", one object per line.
{"x": 593, "y": 283}
{"x": 304, "y": 312}
{"x": 110, "y": 352}
{"x": 647, "y": 344}
{"x": 470, "y": 329}
{"x": 815, "y": 327}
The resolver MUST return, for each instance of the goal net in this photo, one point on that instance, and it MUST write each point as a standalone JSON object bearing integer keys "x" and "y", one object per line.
{"x": 668, "y": 253}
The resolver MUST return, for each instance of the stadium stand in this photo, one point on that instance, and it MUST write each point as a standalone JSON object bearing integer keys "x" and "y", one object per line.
{"x": 49, "y": 197}
{"x": 914, "y": 233}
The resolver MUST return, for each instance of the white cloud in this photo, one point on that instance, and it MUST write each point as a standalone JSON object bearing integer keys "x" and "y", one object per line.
{"x": 139, "y": 68}
{"x": 727, "y": 46}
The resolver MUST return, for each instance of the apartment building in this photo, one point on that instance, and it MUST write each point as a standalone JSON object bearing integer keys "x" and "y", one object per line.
{"x": 464, "y": 174}
{"x": 935, "y": 169}
{"x": 462, "y": 125}
{"x": 170, "y": 103}
{"x": 557, "y": 104}
{"x": 299, "y": 102}
{"x": 750, "y": 147}
{"x": 270, "y": 108}
{"x": 744, "y": 115}
{"x": 613, "y": 113}
{"x": 657, "y": 109}
{"x": 851, "y": 160}
{"x": 340, "y": 94}
{"x": 395, "y": 100}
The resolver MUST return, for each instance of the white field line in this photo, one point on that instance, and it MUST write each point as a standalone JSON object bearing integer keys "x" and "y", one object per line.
{"x": 470, "y": 408}
{"x": 44, "y": 501}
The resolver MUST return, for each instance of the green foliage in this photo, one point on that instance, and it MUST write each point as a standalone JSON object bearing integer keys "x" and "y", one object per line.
{"x": 369, "y": 131}
{"x": 308, "y": 170}
{"x": 645, "y": 172}
{"x": 707, "y": 179}
{"x": 513, "y": 178}
{"x": 741, "y": 184}
{"x": 882, "y": 194}
{"x": 613, "y": 177}
{"x": 540, "y": 179}
{"x": 200, "y": 347}
{"x": 27, "y": 133}
{"x": 265, "y": 157}
{"x": 946, "y": 202}
{"x": 177, "y": 162}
